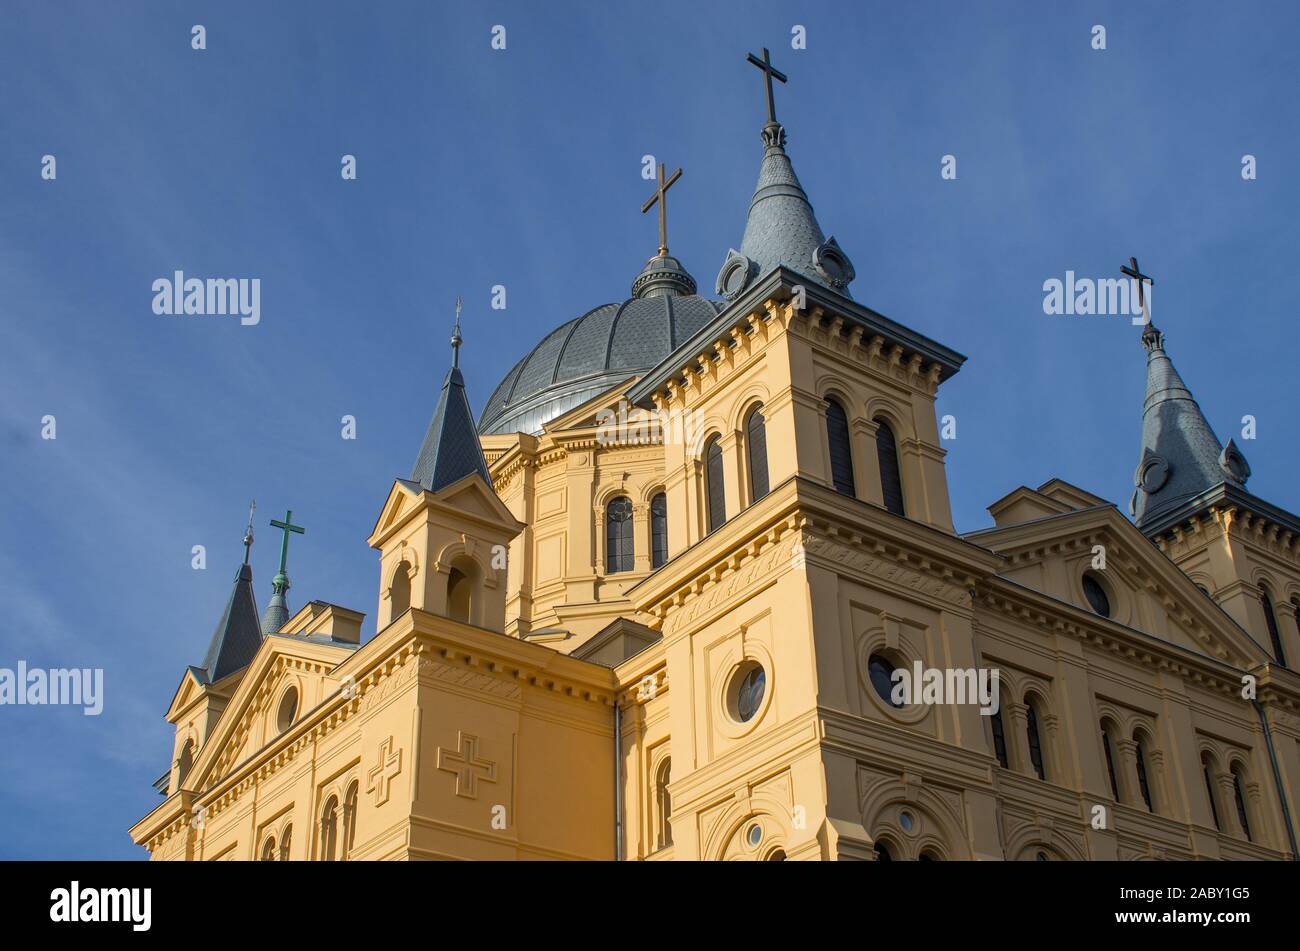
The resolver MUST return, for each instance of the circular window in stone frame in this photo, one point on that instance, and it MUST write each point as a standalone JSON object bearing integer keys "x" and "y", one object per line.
{"x": 872, "y": 645}
{"x": 1094, "y": 590}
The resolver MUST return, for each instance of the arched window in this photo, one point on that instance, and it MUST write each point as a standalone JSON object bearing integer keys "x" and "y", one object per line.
{"x": 883, "y": 854}
{"x": 714, "y": 488}
{"x": 891, "y": 483}
{"x": 1209, "y": 791}
{"x": 1241, "y": 802}
{"x": 658, "y": 530}
{"x": 329, "y": 828}
{"x": 400, "y": 592}
{"x": 285, "y": 840}
{"x": 664, "y": 803}
{"x": 756, "y": 449}
{"x": 459, "y": 589}
{"x": 349, "y": 820}
{"x": 618, "y": 535}
{"x": 288, "y": 710}
{"x": 1110, "y": 762}
{"x": 1035, "y": 744}
{"x": 185, "y": 762}
{"x": 1271, "y": 620}
{"x": 999, "y": 737}
{"x": 268, "y": 850}
{"x": 1144, "y": 787}
{"x": 837, "y": 437}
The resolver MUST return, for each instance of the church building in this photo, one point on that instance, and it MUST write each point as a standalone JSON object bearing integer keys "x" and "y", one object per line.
{"x": 651, "y": 605}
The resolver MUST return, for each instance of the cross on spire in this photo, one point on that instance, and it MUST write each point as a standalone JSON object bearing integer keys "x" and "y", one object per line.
{"x": 660, "y": 197}
{"x": 1133, "y": 271}
{"x": 456, "y": 338}
{"x": 770, "y": 72}
{"x": 280, "y": 583}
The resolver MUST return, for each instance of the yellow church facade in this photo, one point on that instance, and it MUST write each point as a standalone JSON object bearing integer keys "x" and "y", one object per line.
{"x": 652, "y": 604}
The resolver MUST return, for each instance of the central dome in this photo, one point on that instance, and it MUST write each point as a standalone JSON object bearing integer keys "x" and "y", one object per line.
{"x": 589, "y": 354}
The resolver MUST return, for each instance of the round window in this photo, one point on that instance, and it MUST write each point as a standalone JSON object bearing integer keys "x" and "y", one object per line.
{"x": 1096, "y": 595}
{"x": 288, "y": 709}
{"x": 750, "y": 683}
{"x": 754, "y": 835}
{"x": 881, "y": 672}
{"x": 905, "y": 820}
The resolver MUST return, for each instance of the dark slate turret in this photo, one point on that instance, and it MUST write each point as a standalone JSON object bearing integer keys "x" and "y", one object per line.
{"x": 782, "y": 229}
{"x": 451, "y": 448}
{"x": 1181, "y": 457}
{"x": 238, "y": 634}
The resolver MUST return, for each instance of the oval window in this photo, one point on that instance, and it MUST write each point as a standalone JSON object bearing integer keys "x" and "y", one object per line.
{"x": 881, "y": 672}
{"x": 1096, "y": 595}
{"x": 751, "y": 684}
{"x": 288, "y": 709}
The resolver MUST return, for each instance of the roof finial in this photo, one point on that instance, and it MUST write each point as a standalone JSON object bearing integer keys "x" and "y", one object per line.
{"x": 660, "y": 197}
{"x": 248, "y": 532}
{"x": 456, "y": 338}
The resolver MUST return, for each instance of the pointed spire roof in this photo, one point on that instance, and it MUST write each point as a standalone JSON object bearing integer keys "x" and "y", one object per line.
{"x": 451, "y": 449}
{"x": 238, "y": 634}
{"x": 1181, "y": 456}
{"x": 782, "y": 229}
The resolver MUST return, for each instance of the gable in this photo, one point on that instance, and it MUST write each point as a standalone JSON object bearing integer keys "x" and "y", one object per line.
{"x": 1145, "y": 590}
{"x": 238, "y": 734}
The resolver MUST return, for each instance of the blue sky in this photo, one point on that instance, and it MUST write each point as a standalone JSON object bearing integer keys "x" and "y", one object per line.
{"x": 479, "y": 167}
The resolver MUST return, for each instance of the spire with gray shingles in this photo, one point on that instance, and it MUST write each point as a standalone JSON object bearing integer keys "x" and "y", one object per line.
{"x": 1181, "y": 456}
{"x": 781, "y": 229}
{"x": 451, "y": 449}
{"x": 238, "y": 635}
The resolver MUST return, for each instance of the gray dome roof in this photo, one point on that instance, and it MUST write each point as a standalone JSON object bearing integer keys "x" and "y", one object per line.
{"x": 588, "y": 355}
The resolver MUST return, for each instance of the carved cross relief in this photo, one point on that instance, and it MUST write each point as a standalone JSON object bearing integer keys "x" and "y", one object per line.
{"x": 468, "y": 766}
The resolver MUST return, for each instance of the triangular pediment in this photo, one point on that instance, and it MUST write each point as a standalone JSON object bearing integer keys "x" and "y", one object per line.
{"x": 1145, "y": 589}
{"x": 235, "y": 736}
{"x": 473, "y": 497}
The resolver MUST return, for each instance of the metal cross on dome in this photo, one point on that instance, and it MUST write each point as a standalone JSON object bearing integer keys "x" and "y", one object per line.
{"x": 1133, "y": 271}
{"x": 287, "y": 526}
{"x": 660, "y": 197}
{"x": 770, "y": 72}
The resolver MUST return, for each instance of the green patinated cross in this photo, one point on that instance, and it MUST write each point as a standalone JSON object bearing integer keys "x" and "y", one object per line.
{"x": 288, "y": 527}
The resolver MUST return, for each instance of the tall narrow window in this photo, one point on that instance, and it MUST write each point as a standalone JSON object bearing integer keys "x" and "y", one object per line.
{"x": 400, "y": 590}
{"x": 350, "y": 820}
{"x": 329, "y": 829}
{"x": 618, "y": 535}
{"x": 1241, "y": 803}
{"x": 1209, "y": 791}
{"x": 1035, "y": 746}
{"x": 1110, "y": 763}
{"x": 715, "y": 490}
{"x": 658, "y": 531}
{"x": 284, "y": 843}
{"x": 1271, "y": 620}
{"x": 185, "y": 762}
{"x": 1143, "y": 785}
{"x": 459, "y": 588}
{"x": 756, "y": 448}
{"x": 837, "y": 437}
{"x": 999, "y": 738}
{"x": 664, "y": 802}
{"x": 268, "y": 850}
{"x": 891, "y": 483}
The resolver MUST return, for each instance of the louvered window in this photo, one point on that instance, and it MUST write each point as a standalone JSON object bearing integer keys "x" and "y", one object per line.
{"x": 658, "y": 530}
{"x": 715, "y": 490}
{"x": 837, "y": 437}
{"x": 891, "y": 483}
{"x": 756, "y": 447}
